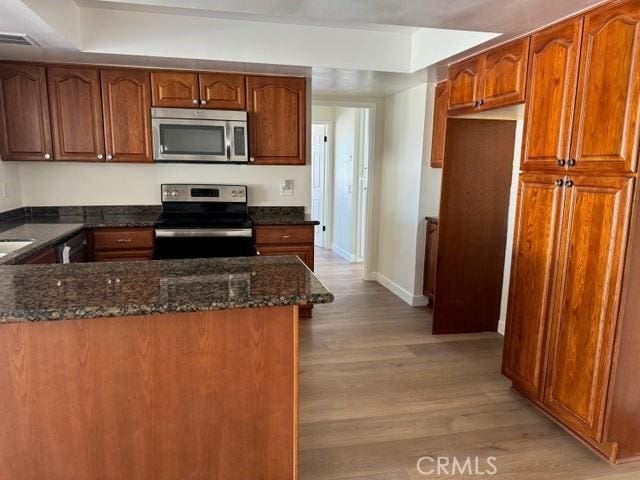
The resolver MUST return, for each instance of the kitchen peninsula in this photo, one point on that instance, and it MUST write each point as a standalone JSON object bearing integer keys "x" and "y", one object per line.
{"x": 152, "y": 369}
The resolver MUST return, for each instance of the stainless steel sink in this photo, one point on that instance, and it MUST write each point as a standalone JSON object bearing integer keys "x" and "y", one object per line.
{"x": 9, "y": 246}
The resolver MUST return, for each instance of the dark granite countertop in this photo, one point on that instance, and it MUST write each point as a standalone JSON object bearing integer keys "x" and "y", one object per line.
{"x": 280, "y": 216}
{"x": 93, "y": 290}
{"x": 41, "y": 236}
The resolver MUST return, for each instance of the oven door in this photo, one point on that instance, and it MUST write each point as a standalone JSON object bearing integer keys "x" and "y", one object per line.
{"x": 187, "y": 140}
{"x": 203, "y": 242}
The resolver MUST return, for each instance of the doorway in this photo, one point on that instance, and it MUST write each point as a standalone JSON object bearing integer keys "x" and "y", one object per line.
{"x": 340, "y": 171}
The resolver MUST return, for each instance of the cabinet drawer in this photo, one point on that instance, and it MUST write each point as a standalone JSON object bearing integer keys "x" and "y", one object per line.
{"x": 284, "y": 235}
{"x": 123, "y": 238}
{"x": 303, "y": 253}
{"x": 123, "y": 255}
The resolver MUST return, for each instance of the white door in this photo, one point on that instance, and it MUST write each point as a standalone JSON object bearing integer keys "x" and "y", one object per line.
{"x": 319, "y": 156}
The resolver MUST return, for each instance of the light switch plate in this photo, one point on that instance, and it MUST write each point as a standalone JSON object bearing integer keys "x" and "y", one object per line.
{"x": 286, "y": 188}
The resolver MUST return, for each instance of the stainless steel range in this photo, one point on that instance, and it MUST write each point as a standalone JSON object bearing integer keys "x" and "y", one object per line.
{"x": 201, "y": 221}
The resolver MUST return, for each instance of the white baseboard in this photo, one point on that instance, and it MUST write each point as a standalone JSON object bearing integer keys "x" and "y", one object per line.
{"x": 343, "y": 253}
{"x": 405, "y": 295}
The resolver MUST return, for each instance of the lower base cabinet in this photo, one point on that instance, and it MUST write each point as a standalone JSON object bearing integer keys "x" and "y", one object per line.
{"x": 287, "y": 240}
{"x": 120, "y": 244}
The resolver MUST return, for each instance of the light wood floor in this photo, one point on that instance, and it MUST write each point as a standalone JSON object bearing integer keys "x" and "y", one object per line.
{"x": 377, "y": 392}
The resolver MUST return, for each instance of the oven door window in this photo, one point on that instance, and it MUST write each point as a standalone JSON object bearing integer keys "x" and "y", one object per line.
{"x": 206, "y": 140}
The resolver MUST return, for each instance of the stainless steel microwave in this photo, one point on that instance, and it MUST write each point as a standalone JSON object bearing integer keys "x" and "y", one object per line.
{"x": 193, "y": 135}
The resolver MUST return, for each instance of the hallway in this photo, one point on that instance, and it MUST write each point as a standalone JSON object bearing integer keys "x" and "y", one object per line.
{"x": 378, "y": 391}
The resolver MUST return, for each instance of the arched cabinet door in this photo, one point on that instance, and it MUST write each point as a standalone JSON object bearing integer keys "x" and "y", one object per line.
{"x": 76, "y": 113}
{"x": 25, "y": 132}
{"x": 504, "y": 75}
{"x": 464, "y": 85}
{"x": 126, "y": 102}
{"x": 222, "y": 90}
{"x": 277, "y": 120}
{"x": 605, "y": 132}
{"x": 175, "y": 89}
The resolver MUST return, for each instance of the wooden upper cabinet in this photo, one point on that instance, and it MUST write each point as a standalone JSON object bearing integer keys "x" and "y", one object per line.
{"x": 25, "y": 132}
{"x": 126, "y": 105}
{"x": 551, "y": 90}
{"x": 277, "y": 120}
{"x": 440, "y": 113}
{"x": 464, "y": 85}
{"x": 175, "y": 89}
{"x": 222, "y": 90}
{"x": 76, "y": 113}
{"x": 504, "y": 75}
{"x": 605, "y": 133}
{"x": 592, "y": 250}
{"x": 539, "y": 212}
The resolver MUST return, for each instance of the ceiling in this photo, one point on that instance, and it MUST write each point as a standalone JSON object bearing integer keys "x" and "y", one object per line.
{"x": 349, "y": 47}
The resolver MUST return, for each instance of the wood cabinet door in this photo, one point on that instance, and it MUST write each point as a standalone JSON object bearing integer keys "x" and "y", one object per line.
{"x": 533, "y": 269}
{"x": 76, "y": 113}
{"x": 551, "y": 91}
{"x": 440, "y": 113}
{"x": 587, "y": 292}
{"x": 25, "y": 132}
{"x": 303, "y": 252}
{"x": 464, "y": 85}
{"x": 277, "y": 120}
{"x": 175, "y": 89}
{"x": 222, "y": 90}
{"x": 605, "y": 132}
{"x": 430, "y": 257}
{"x": 126, "y": 106}
{"x": 504, "y": 75}
{"x": 46, "y": 256}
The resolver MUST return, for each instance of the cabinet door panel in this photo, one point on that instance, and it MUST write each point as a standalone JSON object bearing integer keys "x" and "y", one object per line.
{"x": 587, "y": 297}
{"x": 605, "y": 133}
{"x": 439, "y": 124}
{"x": 174, "y": 89}
{"x": 76, "y": 113}
{"x": 304, "y": 253}
{"x": 551, "y": 91}
{"x": 126, "y": 97}
{"x": 222, "y": 90}
{"x": 277, "y": 120}
{"x": 539, "y": 213}
{"x": 464, "y": 85}
{"x": 504, "y": 75}
{"x": 25, "y": 132}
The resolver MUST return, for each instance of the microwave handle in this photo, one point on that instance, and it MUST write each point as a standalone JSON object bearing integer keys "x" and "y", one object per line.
{"x": 227, "y": 139}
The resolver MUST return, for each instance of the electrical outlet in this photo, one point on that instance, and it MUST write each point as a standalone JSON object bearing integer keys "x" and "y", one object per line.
{"x": 5, "y": 190}
{"x": 286, "y": 188}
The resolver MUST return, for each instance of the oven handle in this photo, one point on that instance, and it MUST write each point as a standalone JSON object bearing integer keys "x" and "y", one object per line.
{"x": 203, "y": 232}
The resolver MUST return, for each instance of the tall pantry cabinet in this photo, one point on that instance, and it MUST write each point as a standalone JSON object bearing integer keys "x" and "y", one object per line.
{"x": 565, "y": 347}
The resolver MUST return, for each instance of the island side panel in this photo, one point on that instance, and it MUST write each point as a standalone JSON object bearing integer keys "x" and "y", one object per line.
{"x": 207, "y": 395}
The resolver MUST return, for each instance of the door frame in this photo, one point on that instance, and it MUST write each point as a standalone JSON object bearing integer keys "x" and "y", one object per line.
{"x": 368, "y": 240}
{"x": 327, "y": 212}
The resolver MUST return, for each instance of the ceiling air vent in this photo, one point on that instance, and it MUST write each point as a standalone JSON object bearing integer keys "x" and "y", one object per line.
{"x": 16, "y": 39}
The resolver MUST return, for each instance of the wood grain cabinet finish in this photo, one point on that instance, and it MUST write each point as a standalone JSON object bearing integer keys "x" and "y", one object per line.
{"x": 440, "y": 113}
{"x": 430, "y": 259}
{"x": 121, "y": 244}
{"x": 464, "y": 85}
{"x": 76, "y": 113}
{"x": 553, "y": 75}
{"x": 605, "y": 133}
{"x": 533, "y": 267}
{"x": 25, "y": 132}
{"x": 504, "y": 75}
{"x": 591, "y": 258}
{"x": 175, "y": 89}
{"x": 222, "y": 90}
{"x": 277, "y": 120}
{"x": 126, "y": 106}
{"x": 46, "y": 256}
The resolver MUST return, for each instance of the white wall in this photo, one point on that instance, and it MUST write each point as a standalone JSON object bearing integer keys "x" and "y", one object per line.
{"x": 10, "y": 187}
{"x": 400, "y": 185}
{"x": 135, "y": 184}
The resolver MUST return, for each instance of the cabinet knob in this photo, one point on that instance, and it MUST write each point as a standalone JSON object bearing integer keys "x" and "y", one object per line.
{"x": 559, "y": 182}
{"x": 258, "y": 252}
{"x": 568, "y": 183}
{"x": 571, "y": 162}
{"x": 203, "y": 102}
{"x": 481, "y": 102}
{"x": 561, "y": 162}
{"x": 195, "y": 102}
{"x": 109, "y": 157}
{"x": 47, "y": 156}
{"x": 476, "y": 103}
{"x": 100, "y": 156}
{"x": 252, "y": 159}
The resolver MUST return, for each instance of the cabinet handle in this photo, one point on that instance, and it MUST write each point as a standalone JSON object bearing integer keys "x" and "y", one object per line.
{"x": 109, "y": 157}
{"x": 100, "y": 156}
{"x": 203, "y": 102}
{"x": 286, "y": 236}
{"x": 195, "y": 102}
{"x": 124, "y": 240}
{"x": 561, "y": 162}
{"x": 258, "y": 252}
{"x": 559, "y": 182}
{"x": 571, "y": 162}
{"x": 47, "y": 156}
{"x": 568, "y": 183}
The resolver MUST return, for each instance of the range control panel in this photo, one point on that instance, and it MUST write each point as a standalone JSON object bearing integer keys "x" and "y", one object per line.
{"x": 180, "y": 192}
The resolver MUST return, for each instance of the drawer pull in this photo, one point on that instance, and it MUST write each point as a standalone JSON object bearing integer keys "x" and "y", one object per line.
{"x": 286, "y": 236}
{"x": 124, "y": 240}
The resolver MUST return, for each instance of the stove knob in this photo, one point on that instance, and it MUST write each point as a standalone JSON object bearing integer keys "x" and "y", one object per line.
{"x": 234, "y": 193}
{"x": 174, "y": 193}
{"x": 241, "y": 193}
